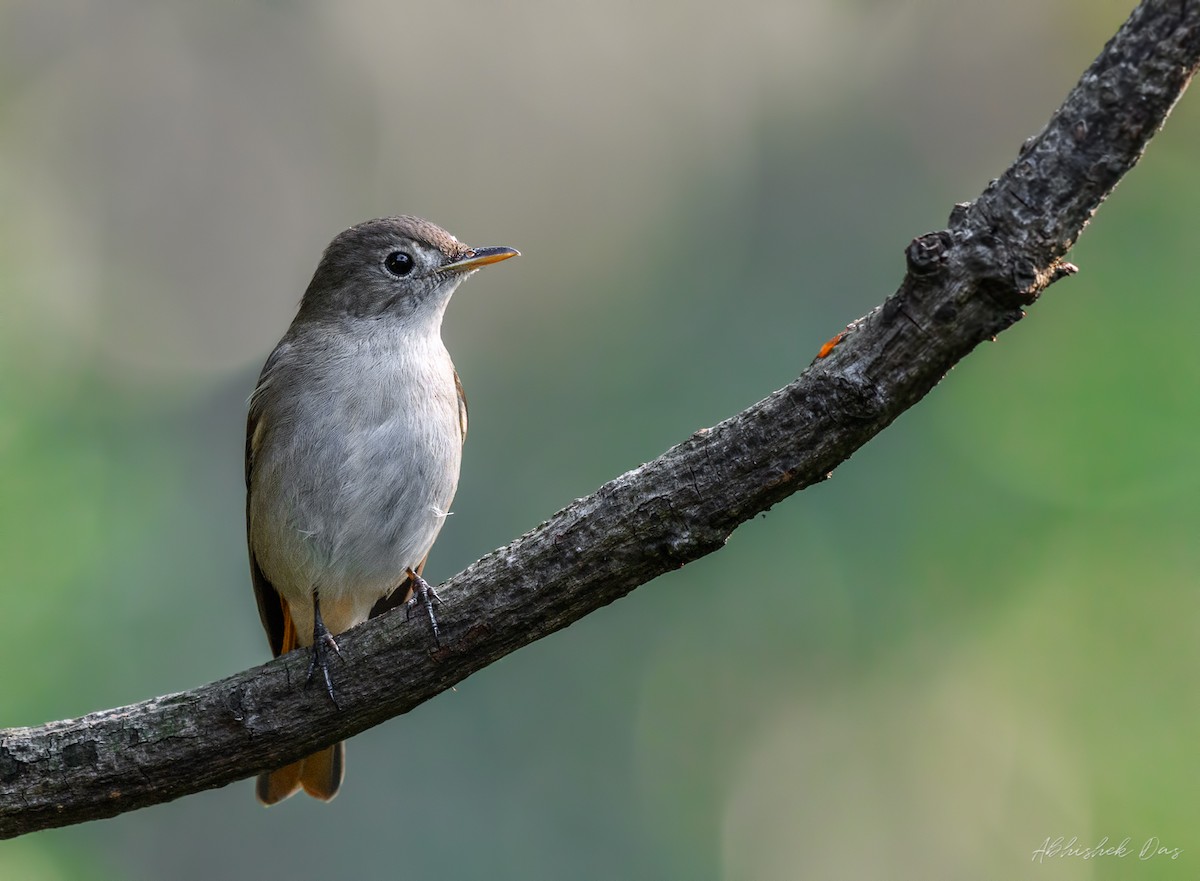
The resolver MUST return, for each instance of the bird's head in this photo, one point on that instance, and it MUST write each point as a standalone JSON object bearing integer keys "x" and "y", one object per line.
{"x": 395, "y": 268}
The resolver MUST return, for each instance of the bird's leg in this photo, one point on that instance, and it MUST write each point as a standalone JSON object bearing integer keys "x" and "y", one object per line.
{"x": 323, "y": 643}
{"x": 424, "y": 594}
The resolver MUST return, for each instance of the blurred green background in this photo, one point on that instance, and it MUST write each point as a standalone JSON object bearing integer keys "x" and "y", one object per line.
{"x": 980, "y": 634}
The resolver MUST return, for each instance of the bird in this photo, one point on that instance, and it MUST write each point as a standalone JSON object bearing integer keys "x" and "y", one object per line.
{"x": 354, "y": 438}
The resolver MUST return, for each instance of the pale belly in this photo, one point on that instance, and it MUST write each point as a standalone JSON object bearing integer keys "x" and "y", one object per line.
{"x": 346, "y": 497}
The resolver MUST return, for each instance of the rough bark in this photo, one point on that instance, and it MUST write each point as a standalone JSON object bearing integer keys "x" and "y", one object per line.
{"x": 964, "y": 284}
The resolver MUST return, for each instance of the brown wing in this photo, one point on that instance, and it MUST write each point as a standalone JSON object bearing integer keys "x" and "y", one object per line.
{"x": 462, "y": 408}
{"x": 272, "y": 610}
{"x": 320, "y": 774}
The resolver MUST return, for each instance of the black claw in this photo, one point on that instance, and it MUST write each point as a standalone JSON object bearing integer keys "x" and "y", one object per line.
{"x": 323, "y": 643}
{"x": 423, "y": 594}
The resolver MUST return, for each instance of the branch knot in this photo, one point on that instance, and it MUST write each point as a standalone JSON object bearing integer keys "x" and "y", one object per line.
{"x": 927, "y": 254}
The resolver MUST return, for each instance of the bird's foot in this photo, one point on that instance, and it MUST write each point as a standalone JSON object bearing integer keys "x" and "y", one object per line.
{"x": 323, "y": 647}
{"x": 425, "y": 596}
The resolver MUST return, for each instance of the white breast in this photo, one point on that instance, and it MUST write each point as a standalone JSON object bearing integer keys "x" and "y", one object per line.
{"x": 354, "y": 474}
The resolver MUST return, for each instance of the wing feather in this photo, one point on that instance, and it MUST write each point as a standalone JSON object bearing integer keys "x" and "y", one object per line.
{"x": 272, "y": 610}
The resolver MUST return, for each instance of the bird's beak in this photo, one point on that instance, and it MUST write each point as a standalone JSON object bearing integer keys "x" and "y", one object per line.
{"x": 478, "y": 257}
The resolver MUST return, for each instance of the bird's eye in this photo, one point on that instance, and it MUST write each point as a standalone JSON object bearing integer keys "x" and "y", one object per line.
{"x": 398, "y": 263}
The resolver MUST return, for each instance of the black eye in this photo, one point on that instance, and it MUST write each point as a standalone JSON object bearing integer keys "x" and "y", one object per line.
{"x": 398, "y": 263}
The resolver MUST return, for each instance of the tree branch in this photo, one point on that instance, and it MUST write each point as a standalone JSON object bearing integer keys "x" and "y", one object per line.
{"x": 964, "y": 285}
